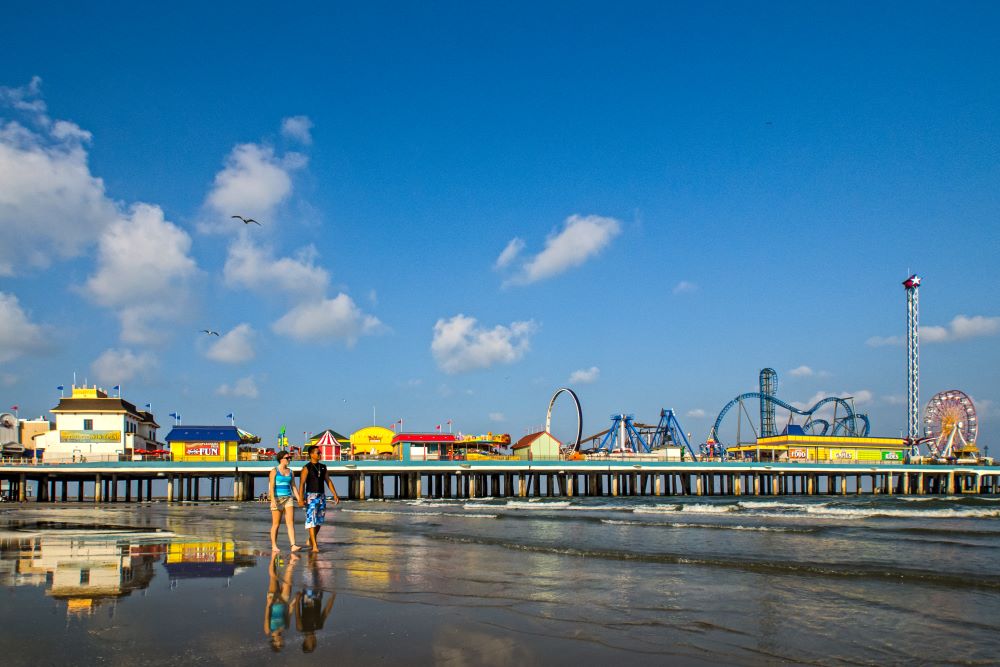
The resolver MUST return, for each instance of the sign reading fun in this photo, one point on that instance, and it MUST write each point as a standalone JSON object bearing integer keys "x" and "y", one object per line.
{"x": 201, "y": 449}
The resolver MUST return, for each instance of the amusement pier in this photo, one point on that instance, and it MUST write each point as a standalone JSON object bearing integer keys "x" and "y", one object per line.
{"x": 102, "y": 448}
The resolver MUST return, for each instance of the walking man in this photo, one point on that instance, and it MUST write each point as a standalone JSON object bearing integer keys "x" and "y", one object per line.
{"x": 312, "y": 495}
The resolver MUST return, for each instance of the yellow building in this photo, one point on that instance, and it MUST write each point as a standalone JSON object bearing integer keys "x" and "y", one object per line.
{"x": 823, "y": 449}
{"x": 204, "y": 443}
{"x": 372, "y": 442}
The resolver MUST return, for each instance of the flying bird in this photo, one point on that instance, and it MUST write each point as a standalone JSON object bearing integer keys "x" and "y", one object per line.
{"x": 247, "y": 221}
{"x": 210, "y": 332}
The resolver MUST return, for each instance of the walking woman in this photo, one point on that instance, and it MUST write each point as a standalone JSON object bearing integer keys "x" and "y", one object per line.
{"x": 281, "y": 490}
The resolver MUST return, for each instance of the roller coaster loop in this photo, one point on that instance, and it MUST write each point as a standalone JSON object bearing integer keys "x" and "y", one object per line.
{"x": 847, "y": 424}
{"x": 579, "y": 414}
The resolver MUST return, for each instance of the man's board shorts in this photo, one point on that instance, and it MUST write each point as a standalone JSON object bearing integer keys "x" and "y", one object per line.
{"x": 279, "y": 503}
{"x": 315, "y": 509}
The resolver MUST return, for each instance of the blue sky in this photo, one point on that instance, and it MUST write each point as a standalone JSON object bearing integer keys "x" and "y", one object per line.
{"x": 686, "y": 193}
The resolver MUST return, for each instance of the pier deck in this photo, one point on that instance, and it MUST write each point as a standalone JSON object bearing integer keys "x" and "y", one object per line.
{"x": 244, "y": 480}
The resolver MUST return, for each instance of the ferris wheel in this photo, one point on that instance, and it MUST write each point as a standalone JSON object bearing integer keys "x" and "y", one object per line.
{"x": 950, "y": 423}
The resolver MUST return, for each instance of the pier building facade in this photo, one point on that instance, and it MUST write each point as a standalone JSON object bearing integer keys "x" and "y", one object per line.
{"x": 92, "y": 426}
{"x": 539, "y": 446}
{"x": 204, "y": 443}
{"x": 372, "y": 442}
{"x": 801, "y": 448}
{"x": 423, "y": 446}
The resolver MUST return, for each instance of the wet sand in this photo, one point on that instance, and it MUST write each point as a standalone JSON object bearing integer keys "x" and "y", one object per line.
{"x": 500, "y": 582}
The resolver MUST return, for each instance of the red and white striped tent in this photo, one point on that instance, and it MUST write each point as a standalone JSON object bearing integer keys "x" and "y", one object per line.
{"x": 329, "y": 446}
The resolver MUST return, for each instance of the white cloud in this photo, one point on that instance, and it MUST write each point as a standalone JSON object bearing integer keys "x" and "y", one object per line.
{"x": 298, "y": 128}
{"x": 509, "y": 253}
{"x": 585, "y": 375}
{"x": 685, "y": 287}
{"x": 252, "y": 183}
{"x": 933, "y": 334}
{"x": 497, "y": 417}
{"x": 18, "y": 334}
{"x": 961, "y": 327}
{"x": 51, "y": 206}
{"x": 255, "y": 268}
{"x": 234, "y": 347}
{"x": 460, "y": 345}
{"x": 338, "y": 318}
{"x": 242, "y": 388}
{"x": 122, "y": 365}
{"x": 142, "y": 272}
{"x": 697, "y": 413}
{"x": 802, "y": 372}
{"x": 581, "y": 238}
{"x": 894, "y": 399}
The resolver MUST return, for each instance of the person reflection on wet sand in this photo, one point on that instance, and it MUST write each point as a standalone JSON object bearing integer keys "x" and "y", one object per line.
{"x": 279, "y": 593}
{"x": 310, "y": 612}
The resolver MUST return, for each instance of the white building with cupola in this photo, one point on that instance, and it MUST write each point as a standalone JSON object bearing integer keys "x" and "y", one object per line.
{"x": 92, "y": 426}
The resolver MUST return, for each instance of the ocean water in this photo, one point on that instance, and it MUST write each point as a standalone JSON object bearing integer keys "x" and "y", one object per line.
{"x": 825, "y": 581}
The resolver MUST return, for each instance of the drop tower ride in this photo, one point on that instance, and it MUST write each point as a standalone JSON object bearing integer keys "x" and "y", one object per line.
{"x": 912, "y": 285}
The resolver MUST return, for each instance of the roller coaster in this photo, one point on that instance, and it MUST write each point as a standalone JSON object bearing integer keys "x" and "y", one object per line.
{"x": 852, "y": 423}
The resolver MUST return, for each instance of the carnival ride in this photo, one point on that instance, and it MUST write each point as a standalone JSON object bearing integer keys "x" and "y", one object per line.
{"x": 847, "y": 423}
{"x": 575, "y": 447}
{"x": 951, "y": 425}
{"x": 626, "y": 436}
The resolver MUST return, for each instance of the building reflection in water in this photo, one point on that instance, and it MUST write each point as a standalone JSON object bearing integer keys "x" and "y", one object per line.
{"x": 88, "y": 568}
{"x": 197, "y": 560}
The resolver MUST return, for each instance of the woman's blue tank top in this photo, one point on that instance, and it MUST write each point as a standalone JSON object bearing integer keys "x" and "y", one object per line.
{"x": 282, "y": 483}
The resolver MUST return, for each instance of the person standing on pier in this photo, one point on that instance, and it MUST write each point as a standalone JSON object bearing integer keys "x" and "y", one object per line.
{"x": 281, "y": 490}
{"x": 312, "y": 495}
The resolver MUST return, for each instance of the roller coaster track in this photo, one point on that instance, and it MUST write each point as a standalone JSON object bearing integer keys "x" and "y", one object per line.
{"x": 840, "y": 425}
{"x": 846, "y": 424}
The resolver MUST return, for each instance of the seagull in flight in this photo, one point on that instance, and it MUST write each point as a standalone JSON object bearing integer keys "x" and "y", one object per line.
{"x": 210, "y": 332}
{"x": 247, "y": 221}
